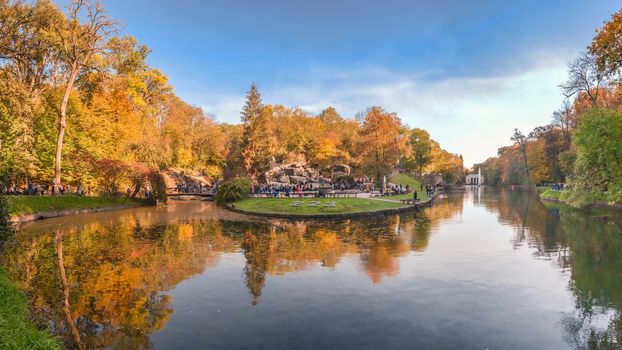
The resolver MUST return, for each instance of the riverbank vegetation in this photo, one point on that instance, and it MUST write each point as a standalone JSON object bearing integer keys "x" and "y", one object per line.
{"x": 552, "y": 195}
{"x": 233, "y": 190}
{"x": 80, "y": 105}
{"x": 6, "y": 226}
{"x": 16, "y": 329}
{"x": 21, "y": 205}
{"x": 582, "y": 146}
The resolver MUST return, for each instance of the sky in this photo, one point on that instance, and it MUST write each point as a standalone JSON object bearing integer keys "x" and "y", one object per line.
{"x": 469, "y": 72}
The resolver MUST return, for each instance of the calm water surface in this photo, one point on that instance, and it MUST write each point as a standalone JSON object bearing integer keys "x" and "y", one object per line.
{"x": 487, "y": 269}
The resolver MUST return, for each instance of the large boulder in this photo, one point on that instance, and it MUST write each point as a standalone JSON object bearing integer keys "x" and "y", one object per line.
{"x": 341, "y": 168}
{"x": 298, "y": 179}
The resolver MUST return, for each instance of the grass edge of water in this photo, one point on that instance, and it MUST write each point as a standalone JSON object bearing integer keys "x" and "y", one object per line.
{"x": 23, "y": 205}
{"x": 16, "y": 328}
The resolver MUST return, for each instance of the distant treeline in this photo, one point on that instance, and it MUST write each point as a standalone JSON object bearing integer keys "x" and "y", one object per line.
{"x": 583, "y": 144}
{"x": 80, "y": 105}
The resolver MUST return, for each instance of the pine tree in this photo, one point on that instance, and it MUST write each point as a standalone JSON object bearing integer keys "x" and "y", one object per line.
{"x": 255, "y": 146}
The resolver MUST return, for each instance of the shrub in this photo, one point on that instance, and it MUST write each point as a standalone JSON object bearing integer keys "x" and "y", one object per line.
{"x": 158, "y": 186}
{"x": 6, "y": 227}
{"x": 233, "y": 190}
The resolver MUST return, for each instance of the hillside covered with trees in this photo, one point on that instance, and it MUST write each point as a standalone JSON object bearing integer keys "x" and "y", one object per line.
{"x": 80, "y": 105}
{"x": 582, "y": 146}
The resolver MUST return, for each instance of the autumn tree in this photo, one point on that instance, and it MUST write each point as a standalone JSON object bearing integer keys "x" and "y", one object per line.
{"x": 79, "y": 43}
{"x": 255, "y": 147}
{"x": 544, "y": 150}
{"x": 421, "y": 149}
{"x": 330, "y": 117}
{"x": 382, "y": 142}
{"x": 449, "y": 165}
{"x": 606, "y": 47}
{"x": 521, "y": 139}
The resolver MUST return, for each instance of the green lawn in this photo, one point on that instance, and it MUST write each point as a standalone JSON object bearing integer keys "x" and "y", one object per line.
{"x": 403, "y": 179}
{"x": 313, "y": 206}
{"x": 550, "y": 194}
{"x": 16, "y": 330}
{"x": 20, "y": 205}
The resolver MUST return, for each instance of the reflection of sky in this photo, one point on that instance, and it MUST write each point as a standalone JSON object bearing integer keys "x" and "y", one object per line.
{"x": 460, "y": 69}
{"x": 458, "y": 275}
{"x": 469, "y": 288}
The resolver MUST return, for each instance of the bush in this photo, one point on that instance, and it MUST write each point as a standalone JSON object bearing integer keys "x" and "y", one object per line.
{"x": 158, "y": 186}
{"x": 233, "y": 190}
{"x": 6, "y": 227}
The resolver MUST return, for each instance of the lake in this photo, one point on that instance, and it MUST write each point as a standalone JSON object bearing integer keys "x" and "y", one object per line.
{"x": 482, "y": 269}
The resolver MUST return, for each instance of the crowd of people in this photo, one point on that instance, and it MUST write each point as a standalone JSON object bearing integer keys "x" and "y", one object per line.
{"x": 396, "y": 190}
{"x": 68, "y": 190}
{"x": 279, "y": 190}
{"x": 294, "y": 190}
{"x": 272, "y": 189}
{"x": 192, "y": 188}
{"x": 46, "y": 190}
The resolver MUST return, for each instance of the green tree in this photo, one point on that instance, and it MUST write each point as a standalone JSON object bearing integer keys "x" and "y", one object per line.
{"x": 255, "y": 147}
{"x": 27, "y": 52}
{"x": 599, "y": 152}
{"x": 78, "y": 44}
{"x": 421, "y": 148}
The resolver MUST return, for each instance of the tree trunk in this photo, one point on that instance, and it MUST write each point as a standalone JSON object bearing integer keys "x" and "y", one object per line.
{"x": 62, "y": 124}
{"x": 524, "y": 152}
{"x": 137, "y": 188}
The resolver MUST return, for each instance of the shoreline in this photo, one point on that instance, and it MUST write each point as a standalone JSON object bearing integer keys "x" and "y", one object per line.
{"x": 596, "y": 204}
{"x": 425, "y": 204}
{"x": 42, "y": 215}
{"x": 602, "y": 204}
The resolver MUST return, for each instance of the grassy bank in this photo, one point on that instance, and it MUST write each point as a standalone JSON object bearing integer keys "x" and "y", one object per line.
{"x": 550, "y": 195}
{"x": 402, "y": 179}
{"x": 16, "y": 330}
{"x": 314, "y": 206}
{"x": 579, "y": 199}
{"x": 21, "y": 205}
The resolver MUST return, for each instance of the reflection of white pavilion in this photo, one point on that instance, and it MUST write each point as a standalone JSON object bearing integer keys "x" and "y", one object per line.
{"x": 474, "y": 179}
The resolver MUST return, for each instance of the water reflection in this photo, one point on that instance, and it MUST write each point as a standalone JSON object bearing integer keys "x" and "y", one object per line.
{"x": 589, "y": 245}
{"x": 106, "y": 280}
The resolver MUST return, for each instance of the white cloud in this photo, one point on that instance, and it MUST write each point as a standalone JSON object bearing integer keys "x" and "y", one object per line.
{"x": 470, "y": 116}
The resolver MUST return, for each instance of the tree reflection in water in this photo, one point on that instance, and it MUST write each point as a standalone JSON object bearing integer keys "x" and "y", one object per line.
{"x": 588, "y": 244}
{"x": 102, "y": 282}
{"x": 118, "y": 267}
{"x": 63, "y": 278}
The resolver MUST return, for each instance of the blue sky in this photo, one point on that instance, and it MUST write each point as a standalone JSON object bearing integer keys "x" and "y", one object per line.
{"x": 467, "y": 71}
